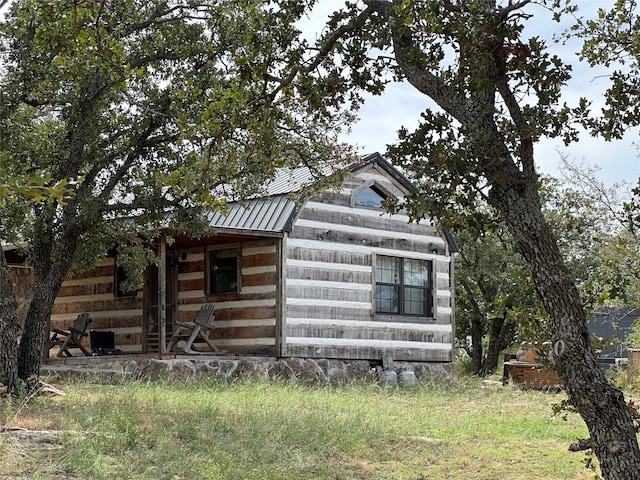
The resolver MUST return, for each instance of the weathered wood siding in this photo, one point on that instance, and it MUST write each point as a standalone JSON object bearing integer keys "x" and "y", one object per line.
{"x": 329, "y": 291}
{"x": 93, "y": 292}
{"x": 245, "y": 321}
{"x": 308, "y": 294}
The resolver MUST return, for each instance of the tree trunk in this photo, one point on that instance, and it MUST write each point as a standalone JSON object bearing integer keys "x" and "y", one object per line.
{"x": 8, "y": 321}
{"x": 477, "y": 333}
{"x": 48, "y": 277}
{"x": 602, "y": 407}
{"x": 35, "y": 338}
{"x": 505, "y": 158}
{"x": 497, "y": 333}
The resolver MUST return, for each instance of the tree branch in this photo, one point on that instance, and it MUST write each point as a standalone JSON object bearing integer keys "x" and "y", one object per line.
{"x": 504, "y": 12}
{"x": 328, "y": 46}
{"x": 525, "y": 133}
{"x": 581, "y": 445}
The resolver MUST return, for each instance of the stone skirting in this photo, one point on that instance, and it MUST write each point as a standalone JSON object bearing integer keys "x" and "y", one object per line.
{"x": 305, "y": 370}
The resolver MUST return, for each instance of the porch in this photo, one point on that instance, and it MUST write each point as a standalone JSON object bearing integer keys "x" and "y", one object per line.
{"x": 174, "y": 292}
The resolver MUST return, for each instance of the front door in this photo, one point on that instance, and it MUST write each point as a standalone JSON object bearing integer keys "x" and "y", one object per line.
{"x": 151, "y": 326}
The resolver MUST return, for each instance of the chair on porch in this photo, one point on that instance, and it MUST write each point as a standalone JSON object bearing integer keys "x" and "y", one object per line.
{"x": 199, "y": 329}
{"x": 73, "y": 337}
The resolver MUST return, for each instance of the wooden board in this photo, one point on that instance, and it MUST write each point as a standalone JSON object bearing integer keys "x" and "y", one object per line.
{"x": 533, "y": 375}
{"x": 368, "y": 352}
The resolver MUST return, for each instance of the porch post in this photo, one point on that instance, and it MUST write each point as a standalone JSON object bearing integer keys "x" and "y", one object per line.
{"x": 281, "y": 303}
{"x": 162, "y": 300}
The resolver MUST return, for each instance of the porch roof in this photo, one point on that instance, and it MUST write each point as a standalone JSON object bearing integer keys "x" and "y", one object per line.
{"x": 268, "y": 216}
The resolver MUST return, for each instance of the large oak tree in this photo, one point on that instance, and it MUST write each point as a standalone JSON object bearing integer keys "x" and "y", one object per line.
{"x": 496, "y": 305}
{"x": 138, "y": 108}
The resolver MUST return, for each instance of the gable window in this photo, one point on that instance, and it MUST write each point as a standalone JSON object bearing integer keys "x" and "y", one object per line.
{"x": 223, "y": 267}
{"x": 370, "y": 197}
{"x": 403, "y": 286}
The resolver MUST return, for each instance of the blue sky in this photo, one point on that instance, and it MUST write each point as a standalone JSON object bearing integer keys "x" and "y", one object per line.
{"x": 401, "y": 105}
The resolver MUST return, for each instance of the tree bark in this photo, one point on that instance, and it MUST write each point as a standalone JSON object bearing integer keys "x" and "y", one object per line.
{"x": 8, "y": 321}
{"x": 49, "y": 273}
{"x": 477, "y": 333}
{"x": 35, "y": 338}
{"x": 497, "y": 333}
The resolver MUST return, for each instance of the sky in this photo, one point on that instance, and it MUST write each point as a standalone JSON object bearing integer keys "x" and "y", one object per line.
{"x": 401, "y": 105}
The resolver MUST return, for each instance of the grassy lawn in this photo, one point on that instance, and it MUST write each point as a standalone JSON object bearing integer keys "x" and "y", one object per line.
{"x": 252, "y": 430}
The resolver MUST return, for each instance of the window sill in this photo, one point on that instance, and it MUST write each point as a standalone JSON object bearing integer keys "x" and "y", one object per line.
{"x": 397, "y": 318}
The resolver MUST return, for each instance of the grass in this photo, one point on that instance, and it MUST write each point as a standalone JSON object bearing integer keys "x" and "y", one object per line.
{"x": 252, "y": 430}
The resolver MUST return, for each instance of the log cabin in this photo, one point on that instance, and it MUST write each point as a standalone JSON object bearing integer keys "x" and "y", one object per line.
{"x": 333, "y": 277}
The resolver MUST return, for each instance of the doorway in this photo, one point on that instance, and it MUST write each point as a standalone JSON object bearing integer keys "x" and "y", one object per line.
{"x": 151, "y": 325}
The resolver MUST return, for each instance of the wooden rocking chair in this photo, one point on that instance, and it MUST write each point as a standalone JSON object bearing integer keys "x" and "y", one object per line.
{"x": 72, "y": 338}
{"x": 191, "y": 331}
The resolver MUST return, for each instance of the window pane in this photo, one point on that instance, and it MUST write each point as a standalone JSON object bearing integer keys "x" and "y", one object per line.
{"x": 416, "y": 272}
{"x": 223, "y": 271}
{"x": 415, "y": 301}
{"x": 369, "y": 198}
{"x": 403, "y": 286}
{"x": 122, "y": 282}
{"x": 387, "y": 299}
{"x": 387, "y": 270}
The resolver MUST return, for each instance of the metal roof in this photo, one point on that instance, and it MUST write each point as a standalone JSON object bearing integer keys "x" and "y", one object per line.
{"x": 291, "y": 180}
{"x": 272, "y": 215}
{"x": 275, "y": 213}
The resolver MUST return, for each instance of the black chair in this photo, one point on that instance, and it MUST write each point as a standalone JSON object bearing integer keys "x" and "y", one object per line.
{"x": 73, "y": 337}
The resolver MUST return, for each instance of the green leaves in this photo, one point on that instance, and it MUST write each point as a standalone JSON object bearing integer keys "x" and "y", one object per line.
{"x": 496, "y": 302}
{"x": 139, "y": 107}
{"x": 613, "y": 41}
{"x": 35, "y": 188}
{"x": 595, "y": 235}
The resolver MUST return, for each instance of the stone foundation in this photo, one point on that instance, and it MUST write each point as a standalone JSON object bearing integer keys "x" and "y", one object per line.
{"x": 304, "y": 370}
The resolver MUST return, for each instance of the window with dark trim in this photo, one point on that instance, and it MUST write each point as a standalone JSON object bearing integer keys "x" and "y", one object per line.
{"x": 371, "y": 197}
{"x": 120, "y": 284}
{"x": 403, "y": 286}
{"x": 223, "y": 265}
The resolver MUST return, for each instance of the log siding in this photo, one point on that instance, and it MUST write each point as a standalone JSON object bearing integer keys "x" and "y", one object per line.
{"x": 93, "y": 292}
{"x": 330, "y": 281}
{"x": 246, "y": 320}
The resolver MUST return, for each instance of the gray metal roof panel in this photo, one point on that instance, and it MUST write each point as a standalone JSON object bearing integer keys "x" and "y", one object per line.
{"x": 271, "y": 214}
{"x": 290, "y": 180}
{"x": 293, "y": 179}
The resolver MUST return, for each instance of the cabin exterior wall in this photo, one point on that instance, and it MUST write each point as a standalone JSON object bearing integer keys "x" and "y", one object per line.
{"x": 307, "y": 286}
{"x": 245, "y": 321}
{"x": 94, "y": 292}
{"x": 22, "y": 282}
{"x": 330, "y": 281}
